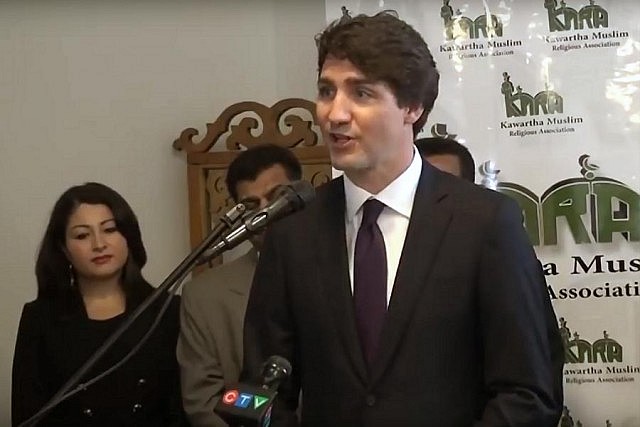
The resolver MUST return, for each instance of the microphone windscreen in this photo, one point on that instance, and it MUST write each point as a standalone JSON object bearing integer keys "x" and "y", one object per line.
{"x": 280, "y": 362}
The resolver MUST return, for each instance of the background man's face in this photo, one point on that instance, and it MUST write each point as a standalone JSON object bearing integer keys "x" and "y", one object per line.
{"x": 261, "y": 191}
{"x": 446, "y": 162}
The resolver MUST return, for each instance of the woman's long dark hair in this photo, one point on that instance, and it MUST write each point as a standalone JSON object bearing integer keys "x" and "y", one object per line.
{"x": 53, "y": 270}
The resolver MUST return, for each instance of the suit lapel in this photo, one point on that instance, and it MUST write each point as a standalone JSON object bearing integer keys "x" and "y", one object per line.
{"x": 333, "y": 270}
{"x": 430, "y": 218}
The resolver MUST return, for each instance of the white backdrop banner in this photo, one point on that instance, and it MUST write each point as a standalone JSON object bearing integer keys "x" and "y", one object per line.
{"x": 546, "y": 96}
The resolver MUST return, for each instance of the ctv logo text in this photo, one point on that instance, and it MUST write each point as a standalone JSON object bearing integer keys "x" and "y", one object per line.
{"x": 243, "y": 400}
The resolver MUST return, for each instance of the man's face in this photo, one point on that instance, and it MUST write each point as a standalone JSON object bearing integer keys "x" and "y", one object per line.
{"x": 446, "y": 162}
{"x": 261, "y": 191}
{"x": 365, "y": 131}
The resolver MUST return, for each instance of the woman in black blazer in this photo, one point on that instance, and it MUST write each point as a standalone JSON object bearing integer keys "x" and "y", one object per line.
{"x": 89, "y": 280}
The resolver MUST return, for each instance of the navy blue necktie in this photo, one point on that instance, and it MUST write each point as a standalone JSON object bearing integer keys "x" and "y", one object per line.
{"x": 370, "y": 279}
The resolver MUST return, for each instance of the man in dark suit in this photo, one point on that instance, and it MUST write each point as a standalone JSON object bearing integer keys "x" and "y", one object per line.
{"x": 402, "y": 296}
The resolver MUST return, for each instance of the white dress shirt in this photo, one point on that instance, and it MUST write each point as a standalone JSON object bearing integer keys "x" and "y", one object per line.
{"x": 393, "y": 221}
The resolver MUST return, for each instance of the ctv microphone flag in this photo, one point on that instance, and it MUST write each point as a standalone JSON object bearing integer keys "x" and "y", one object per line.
{"x": 244, "y": 405}
{"x": 247, "y": 406}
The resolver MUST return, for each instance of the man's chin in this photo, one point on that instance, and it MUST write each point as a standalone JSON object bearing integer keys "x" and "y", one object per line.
{"x": 348, "y": 163}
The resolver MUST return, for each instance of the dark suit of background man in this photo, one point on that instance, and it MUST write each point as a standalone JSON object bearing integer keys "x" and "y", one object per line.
{"x": 464, "y": 338}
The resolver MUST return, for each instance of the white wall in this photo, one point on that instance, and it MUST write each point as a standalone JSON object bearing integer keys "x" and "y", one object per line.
{"x": 98, "y": 91}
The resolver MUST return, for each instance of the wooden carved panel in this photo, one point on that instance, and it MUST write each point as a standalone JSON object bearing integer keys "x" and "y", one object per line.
{"x": 290, "y": 123}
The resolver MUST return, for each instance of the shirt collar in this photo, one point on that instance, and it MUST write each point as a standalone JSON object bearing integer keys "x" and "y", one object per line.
{"x": 398, "y": 195}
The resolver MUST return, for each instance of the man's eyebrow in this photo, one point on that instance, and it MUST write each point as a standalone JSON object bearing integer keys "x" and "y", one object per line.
{"x": 360, "y": 81}
{"x": 353, "y": 81}
{"x": 273, "y": 191}
{"x": 248, "y": 199}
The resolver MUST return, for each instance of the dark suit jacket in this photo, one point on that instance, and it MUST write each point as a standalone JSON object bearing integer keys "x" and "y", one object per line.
{"x": 466, "y": 340}
{"x": 55, "y": 338}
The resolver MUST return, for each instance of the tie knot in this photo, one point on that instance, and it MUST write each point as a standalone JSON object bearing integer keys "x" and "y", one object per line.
{"x": 371, "y": 210}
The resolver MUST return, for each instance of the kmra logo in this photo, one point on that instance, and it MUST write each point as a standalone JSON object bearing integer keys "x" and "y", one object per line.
{"x": 457, "y": 26}
{"x": 594, "y": 208}
{"x": 579, "y": 350}
{"x": 565, "y": 18}
{"x": 591, "y": 16}
{"x": 604, "y": 350}
{"x": 462, "y": 35}
{"x": 566, "y": 420}
{"x": 518, "y": 103}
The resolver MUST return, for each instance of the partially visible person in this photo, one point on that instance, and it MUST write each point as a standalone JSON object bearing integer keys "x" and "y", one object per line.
{"x": 214, "y": 302}
{"x": 89, "y": 279}
{"x": 448, "y": 155}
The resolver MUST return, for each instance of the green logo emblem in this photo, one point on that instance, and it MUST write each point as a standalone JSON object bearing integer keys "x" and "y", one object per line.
{"x": 439, "y": 130}
{"x": 563, "y": 18}
{"x": 519, "y": 104}
{"x": 567, "y": 420}
{"x": 593, "y": 208}
{"x": 457, "y": 26}
{"x": 579, "y": 350}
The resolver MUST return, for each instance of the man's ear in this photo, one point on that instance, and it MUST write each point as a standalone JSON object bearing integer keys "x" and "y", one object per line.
{"x": 413, "y": 113}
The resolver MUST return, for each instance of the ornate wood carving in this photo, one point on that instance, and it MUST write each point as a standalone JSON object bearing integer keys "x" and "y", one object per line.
{"x": 243, "y": 134}
{"x": 289, "y": 123}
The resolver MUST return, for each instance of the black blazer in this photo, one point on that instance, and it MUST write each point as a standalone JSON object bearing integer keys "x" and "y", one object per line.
{"x": 469, "y": 331}
{"x": 54, "y": 340}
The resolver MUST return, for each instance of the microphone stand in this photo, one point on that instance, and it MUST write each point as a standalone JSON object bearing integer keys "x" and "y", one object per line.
{"x": 176, "y": 276}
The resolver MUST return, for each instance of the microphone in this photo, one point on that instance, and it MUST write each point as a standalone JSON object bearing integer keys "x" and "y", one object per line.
{"x": 287, "y": 199}
{"x": 275, "y": 370}
{"x": 244, "y": 405}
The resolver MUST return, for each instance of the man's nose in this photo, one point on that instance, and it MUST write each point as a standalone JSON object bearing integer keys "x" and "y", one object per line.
{"x": 263, "y": 202}
{"x": 339, "y": 109}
